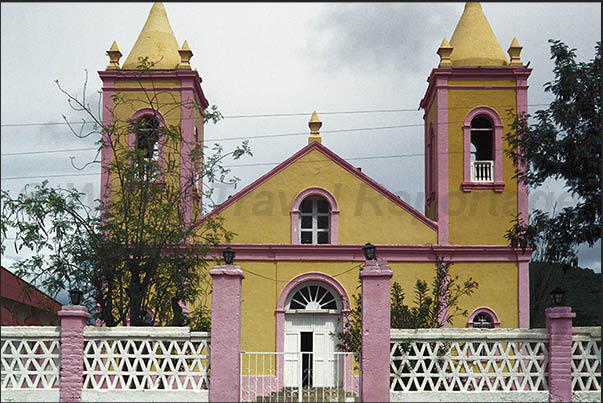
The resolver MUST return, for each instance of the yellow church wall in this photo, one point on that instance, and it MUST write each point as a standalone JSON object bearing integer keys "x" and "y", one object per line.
{"x": 263, "y": 215}
{"x": 494, "y": 83}
{"x": 479, "y": 217}
{"x": 497, "y": 290}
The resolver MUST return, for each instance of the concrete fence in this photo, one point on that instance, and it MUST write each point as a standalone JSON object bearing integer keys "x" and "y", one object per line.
{"x": 74, "y": 362}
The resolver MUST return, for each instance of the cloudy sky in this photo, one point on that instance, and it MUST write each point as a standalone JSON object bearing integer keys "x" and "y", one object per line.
{"x": 268, "y": 59}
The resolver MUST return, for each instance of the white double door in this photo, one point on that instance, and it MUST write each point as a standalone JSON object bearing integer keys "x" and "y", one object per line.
{"x": 322, "y": 363}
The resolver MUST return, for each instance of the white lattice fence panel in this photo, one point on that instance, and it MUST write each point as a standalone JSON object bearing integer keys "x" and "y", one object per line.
{"x": 146, "y": 359}
{"x": 468, "y": 360}
{"x": 30, "y": 357}
{"x": 586, "y": 359}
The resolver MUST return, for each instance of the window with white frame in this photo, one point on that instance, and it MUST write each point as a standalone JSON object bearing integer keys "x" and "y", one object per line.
{"x": 482, "y": 150}
{"x": 315, "y": 221}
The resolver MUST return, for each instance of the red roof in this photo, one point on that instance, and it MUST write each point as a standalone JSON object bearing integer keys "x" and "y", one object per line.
{"x": 16, "y": 289}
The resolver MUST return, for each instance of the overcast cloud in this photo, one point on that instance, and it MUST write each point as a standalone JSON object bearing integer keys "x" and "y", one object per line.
{"x": 260, "y": 58}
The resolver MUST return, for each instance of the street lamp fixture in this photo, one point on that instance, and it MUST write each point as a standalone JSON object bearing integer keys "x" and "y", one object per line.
{"x": 75, "y": 296}
{"x": 228, "y": 255}
{"x": 370, "y": 251}
{"x": 557, "y": 295}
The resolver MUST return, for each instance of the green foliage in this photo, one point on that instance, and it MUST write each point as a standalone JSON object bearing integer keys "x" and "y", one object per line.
{"x": 446, "y": 291}
{"x": 564, "y": 143}
{"x": 582, "y": 292}
{"x": 141, "y": 251}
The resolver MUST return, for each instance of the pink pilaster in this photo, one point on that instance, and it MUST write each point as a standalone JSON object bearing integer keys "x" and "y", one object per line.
{"x": 225, "y": 333}
{"x": 186, "y": 147}
{"x": 523, "y": 290}
{"x": 559, "y": 326}
{"x": 442, "y": 164}
{"x": 522, "y": 108}
{"x": 375, "y": 356}
{"x": 107, "y": 138}
{"x": 73, "y": 321}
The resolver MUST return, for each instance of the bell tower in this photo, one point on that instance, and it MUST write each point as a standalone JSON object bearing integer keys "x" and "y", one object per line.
{"x": 470, "y": 189}
{"x": 155, "y": 88}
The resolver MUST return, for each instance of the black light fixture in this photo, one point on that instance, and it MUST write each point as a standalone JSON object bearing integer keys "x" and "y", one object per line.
{"x": 557, "y": 296}
{"x": 228, "y": 255}
{"x": 75, "y": 296}
{"x": 370, "y": 251}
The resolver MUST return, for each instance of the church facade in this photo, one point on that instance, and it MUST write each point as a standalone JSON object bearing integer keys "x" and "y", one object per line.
{"x": 301, "y": 227}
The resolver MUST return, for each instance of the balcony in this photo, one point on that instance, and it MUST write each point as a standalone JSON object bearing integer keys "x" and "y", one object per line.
{"x": 482, "y": 171}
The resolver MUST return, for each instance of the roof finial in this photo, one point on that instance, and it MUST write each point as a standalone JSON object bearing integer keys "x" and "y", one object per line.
{"x": 444, "y": 52}
{"x": 185, "y": 56}
{"x": 114, "y": 56}
{"x": 514, "y": 51}
{"x": 315, "y": 124}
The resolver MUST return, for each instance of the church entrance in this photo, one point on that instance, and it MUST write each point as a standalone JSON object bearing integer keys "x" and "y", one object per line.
{"x": 311, "y": 321}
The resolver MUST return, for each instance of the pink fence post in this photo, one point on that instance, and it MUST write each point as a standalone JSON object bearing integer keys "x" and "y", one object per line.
{"x": 225, "y": 380}
{"x": 73, "y": 321}
{"x": 559, "y": 326}
{"x": 375, "y": 357}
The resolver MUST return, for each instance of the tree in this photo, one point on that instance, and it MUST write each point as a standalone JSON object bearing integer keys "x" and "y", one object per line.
{"x": 564, "y": 143}
{"x": 445, "y": 294}
{"x": 132, "y": 254}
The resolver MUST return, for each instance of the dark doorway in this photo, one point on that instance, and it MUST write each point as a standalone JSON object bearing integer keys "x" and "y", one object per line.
{"x": 306, "y": 349}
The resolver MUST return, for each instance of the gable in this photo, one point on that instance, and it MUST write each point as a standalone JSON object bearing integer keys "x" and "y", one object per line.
{"x": 261, "y": 212}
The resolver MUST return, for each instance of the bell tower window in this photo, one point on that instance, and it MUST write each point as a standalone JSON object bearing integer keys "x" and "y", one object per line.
{"x": 482, "y": 157}
{"x": 147, "y": 136}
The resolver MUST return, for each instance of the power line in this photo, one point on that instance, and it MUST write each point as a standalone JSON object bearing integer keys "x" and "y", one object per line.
{"x": 270, "y": 115}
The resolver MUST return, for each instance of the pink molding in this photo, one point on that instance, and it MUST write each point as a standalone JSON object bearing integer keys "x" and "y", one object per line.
{"x": 523, "y": 293}
{"x": 353, "y": 253}
{"x": 107, "y": 75}
{"x": 338, "y": 160}
{"x": 333, "y": 211}
{"x": 442, "y": 160}
{"x": 225, "y": 333}
{"x": 73, "y": 322}
{"x": 106, "y": 150}
{"x": 559, "y": 326}
{"x": 375, "y": 277}
{"x": 487, "y": 310}
{"x": 498, "y": 184}
{"x": 280, "y": 307}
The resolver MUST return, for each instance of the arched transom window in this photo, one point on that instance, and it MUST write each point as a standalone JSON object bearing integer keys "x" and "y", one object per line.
{"x": 483, "y": 318}
{"x": 313, "y": 297}
{"x": 315, "y": 223}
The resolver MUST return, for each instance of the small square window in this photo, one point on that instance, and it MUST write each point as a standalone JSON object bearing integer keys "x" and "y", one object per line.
{"x": 323, "y": 222}
{"x": 323, "y": 206}
{"x": 323, "y": 237}
{"x": 306, "y": 237}
{"x": 306, "y": 206}
{"x": 306, "y": 222}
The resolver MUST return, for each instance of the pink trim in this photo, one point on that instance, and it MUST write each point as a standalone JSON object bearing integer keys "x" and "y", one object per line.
{"x": 375, "y": 277}
{"x": 429, "y": 167}
{"x": 353, "y": 253}
{"x": 333, "y": 211}
{"x": 338, "y": 160}
{"x": 73, "y": 321}
{"x": 481, "y": 87}
{"x": 442, "y": 164}
{"x": 559, "y": 326}
{"x": 523, "y": 293}
{"x": 487, "y": 310}
{"x": 522, "y": 107}
{"x": 225, "y": 333}
{"x": 186, "y": 146}
{"x": 498, "y": 185}
{"x": 106, "y": 153}
{"x": 158, "y": 75}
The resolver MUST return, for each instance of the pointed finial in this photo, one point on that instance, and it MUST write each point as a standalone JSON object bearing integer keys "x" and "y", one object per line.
{"x": 114, "y": 56}
{"x": 444, "y": 51}
{"x": 185, "y": 56}
{"x": 514, "y": 51}
{"x": 315, "y": 124}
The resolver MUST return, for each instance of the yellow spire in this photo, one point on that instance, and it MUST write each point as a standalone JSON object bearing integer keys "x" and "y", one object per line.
{"x": 514, "y": 51}
{"x": 315, "y": 124}
{"x": 444, "y": 52}
{"x": 114, "y": 56}
{"x": 185, "y": 56}
{"x": 474, "y": 42}
{"x": 156, "y": 42}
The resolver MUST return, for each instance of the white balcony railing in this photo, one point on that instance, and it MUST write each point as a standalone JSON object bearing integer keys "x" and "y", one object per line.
{"x": 482, "y": 171}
